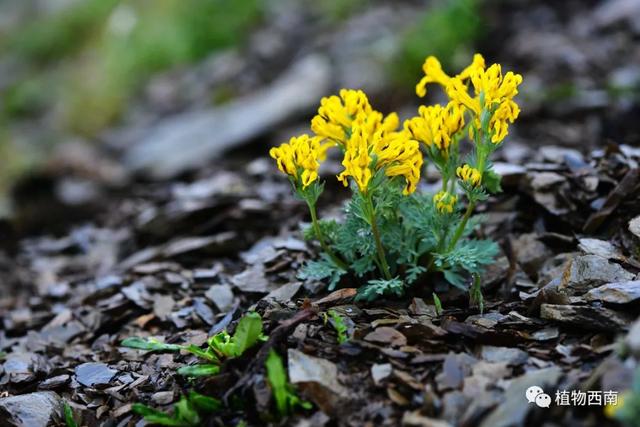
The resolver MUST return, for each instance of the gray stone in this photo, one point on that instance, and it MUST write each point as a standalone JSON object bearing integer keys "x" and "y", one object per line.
{"x": 19, "y": 367}
{"x": 221, "y": 296}
{"x": 616, "y": 293}
{"x": 284, "y": 293}
{"x": 309, "y": 369}
{"x": 512, "y": 356}
{"x": 513, "y": 410}
{"x": 634, "y": 226}
{"x": 589, "y": 271}
{"x": 93, "y": 374}
{"x": 531, "y": 253}
{"x": 598, "y": 318}
{"x": 31, "y": 410}
{"x": 599, "y": 247}
{"x": 380, "y": 371}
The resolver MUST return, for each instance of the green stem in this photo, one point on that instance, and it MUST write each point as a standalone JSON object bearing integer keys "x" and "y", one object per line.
{"x": 461, "y": 226}
{"x": 376, "y": 236}
{"x": 316, "y": 228}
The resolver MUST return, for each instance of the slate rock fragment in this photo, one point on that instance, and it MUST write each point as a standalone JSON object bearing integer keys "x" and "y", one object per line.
{"x": 511, "y": 356}
{"x": 92, "y": 374}
{"x": 513, "y": 410}
{"x": 221, "y": 296}
{"x": 616, "y": 293}
{"x": 589, "y": 271}
{"x": 318, "y": 380}
{"x": 586, "y": 317}
{"x": 38, "y": 409}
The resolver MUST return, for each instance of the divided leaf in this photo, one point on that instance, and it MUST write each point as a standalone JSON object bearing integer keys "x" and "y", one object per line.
{"x": 378, "y": 288}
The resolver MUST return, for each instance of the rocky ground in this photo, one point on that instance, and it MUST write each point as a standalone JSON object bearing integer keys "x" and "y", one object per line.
{"x": 180, "y": 262}
{"x": 144, "y": 237}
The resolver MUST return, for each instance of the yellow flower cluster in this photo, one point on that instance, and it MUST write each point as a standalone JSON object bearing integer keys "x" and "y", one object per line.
{"x": 493, "y": 92}
{"x": 374, "y": 144}
{"x": 469, "y": 175}
{"x": 433, "y": 73}
{"x": 370, "y": 142}
{"x": 445, "y": 201}
{"x": 336, "y": 115}
{"x": 366, "y": 135}
{"x": 300, "y": 158}
{"x": 436, "y": 125}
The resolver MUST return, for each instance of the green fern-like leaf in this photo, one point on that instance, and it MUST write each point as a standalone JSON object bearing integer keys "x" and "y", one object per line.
{"x": 377, "y": 288}
{"x": 322, "y": 269}
{"x": 469, "y": 255}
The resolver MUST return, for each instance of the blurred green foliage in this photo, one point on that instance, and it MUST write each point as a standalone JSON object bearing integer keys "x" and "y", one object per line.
{"x": 91, "y": 57}
{"x": 52, "y": 37}
{"x": 448, "y": 30}
{"x": 339, "y": 10}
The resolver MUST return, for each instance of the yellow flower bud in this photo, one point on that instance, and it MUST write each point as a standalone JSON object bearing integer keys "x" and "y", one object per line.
{"x": 469, "y": 175}
{"x": 445, "y": 201}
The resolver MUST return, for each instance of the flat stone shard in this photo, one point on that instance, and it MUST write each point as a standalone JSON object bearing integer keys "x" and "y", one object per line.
{"x": 589, "y": 271}
{"x": 616, "y": 293}
{"x": 634, "y": 226}
{"x": 531, "y": 253}
{"x": 513, "y": 410}
{"x": 39, "y": 409}
{"x": 586, "y": 317}
{"x": 94, "y": 374}
{"x": 317, "y": 380}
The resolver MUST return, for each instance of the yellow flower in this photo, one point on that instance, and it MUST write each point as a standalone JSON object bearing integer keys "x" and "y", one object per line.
{"x": 436, "y": 125}
{"x": 375, "y": 138}
{"x": 508, "y": 111}
{"x": 400, "y": 156}
{"x": 336, "y": 114}
{"x": 469, "y": 175}
{"x": 357, "y": 160}
{"x": 434, "y": 73}
{"x": 444, "y": 201}
{"x": 493, "y": 92}
{"x": 300, "y": 158}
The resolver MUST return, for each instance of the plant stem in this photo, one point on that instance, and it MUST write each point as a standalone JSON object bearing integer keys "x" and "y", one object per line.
{"x": 316, "y": 228}
{"x": 376, "y": 236}
{"x": 461, "y": 226}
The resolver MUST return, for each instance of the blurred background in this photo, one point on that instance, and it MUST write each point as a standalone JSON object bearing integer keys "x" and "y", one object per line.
{"x": 103, "y": 92}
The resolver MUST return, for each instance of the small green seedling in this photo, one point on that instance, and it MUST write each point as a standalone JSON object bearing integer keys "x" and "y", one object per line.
{"x": 186, "y": 412}
{"x": 222, "y": 345}
{"x": 438, "y": 304}
{"x": 475, "y": 293}
{"x": 68, "y": 416}
{"x": 283, "y": 391}
{"x": 338, "y": 324}
{"x": 247, "y": 334}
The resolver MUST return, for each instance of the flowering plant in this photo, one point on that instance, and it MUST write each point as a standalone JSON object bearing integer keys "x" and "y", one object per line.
{"x": 393, "y": 235}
